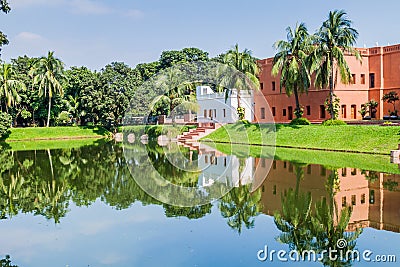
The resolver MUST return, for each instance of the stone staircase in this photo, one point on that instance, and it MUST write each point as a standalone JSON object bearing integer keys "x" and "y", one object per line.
{"x": 190, "y": 139}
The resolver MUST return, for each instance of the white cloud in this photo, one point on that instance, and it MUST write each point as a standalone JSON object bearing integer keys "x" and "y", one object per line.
{"x": 28, "y": 37}
{"x": 134, "y": 13}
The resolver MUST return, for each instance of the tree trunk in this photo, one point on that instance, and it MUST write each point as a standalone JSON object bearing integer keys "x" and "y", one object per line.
{"x": 296, "y": 97}
{"x": 331, "y": 86}
{"x": 48, "y": 113}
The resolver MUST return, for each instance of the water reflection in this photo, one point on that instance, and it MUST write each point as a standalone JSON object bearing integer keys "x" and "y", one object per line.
{"x": 313, "y": 206}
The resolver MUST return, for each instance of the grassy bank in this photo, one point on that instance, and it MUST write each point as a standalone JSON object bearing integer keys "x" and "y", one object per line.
{"x": 380, "y": 163}
{"x": 367, "y": 139}
{"x": 54, "y": 133}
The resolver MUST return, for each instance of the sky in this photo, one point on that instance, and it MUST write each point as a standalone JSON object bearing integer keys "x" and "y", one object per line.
{"x": 94, "y": 33}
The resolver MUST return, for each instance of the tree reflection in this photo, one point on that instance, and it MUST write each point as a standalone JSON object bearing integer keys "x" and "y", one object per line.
{"x": 321, "y": 229}
{"x": 240, "y": 206}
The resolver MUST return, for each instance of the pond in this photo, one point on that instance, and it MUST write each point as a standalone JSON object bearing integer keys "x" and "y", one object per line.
{"x": 86, "y": 207}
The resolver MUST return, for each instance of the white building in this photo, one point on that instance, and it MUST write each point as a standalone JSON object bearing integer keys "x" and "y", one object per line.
{"x": 213, "y": 107}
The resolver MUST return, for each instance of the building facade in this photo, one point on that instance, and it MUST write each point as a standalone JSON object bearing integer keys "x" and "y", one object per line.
{"x": 372, "y": 77}
{"x": 214, "y": 107}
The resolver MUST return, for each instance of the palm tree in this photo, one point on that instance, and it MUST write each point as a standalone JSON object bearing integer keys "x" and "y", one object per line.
{"x": 9, "y": 87}
{"x": 291, "y": 62}
{"x": 334, "y": 38}
{"x": 248, "y": 70}
{"x": 47, "y": 72}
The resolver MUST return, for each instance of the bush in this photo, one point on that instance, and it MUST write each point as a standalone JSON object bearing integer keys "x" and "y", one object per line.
{"x": 333, "y": 123}
{"x": 155, "y": 131}
{"x": 5, "y": 123}
{"x": 300, "y": 121}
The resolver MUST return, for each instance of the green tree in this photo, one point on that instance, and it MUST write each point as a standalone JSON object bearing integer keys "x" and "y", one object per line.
{"x": 48, "y": 73}
{"x": 4, "y": 7}
{"x": 9, "y": 86}
{"x": 291, "y": 62}
{"x": 391, "y": 98}
{"x": 245, "y": 64}
{"x": 334, "y": 38}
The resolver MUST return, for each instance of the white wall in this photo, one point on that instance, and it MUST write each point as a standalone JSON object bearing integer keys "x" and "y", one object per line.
{"x": 221, "y": 110}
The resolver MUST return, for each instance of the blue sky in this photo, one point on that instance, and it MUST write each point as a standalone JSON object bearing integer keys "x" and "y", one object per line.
{"x": 96, "y": 32}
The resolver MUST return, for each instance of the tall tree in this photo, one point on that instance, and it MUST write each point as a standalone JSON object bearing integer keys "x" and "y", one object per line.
{"x": 9, "y": 86}
{"x": 335, "y": 38}
{"x": 291, "y": 62}
{"x": 244, "y": 63}
{"x": 47, "y": 73}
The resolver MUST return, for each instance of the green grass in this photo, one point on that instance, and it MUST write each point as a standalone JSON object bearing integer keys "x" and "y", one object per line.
{"x": 55, "y": 133}
{"x": 347, "y": 138}
{"x": 380, "y": 163}
{"x": 53, "y": 144}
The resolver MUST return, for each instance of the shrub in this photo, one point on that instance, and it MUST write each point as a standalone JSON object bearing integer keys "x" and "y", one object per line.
{"x": 5, "y": 123}
{"x": 300, "y": 121}
{"x": 155, "y": 131}
{"x": 333, "y": 122}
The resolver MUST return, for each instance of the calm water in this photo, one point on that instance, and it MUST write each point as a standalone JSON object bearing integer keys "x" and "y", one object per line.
{"x": 81, "y": 207}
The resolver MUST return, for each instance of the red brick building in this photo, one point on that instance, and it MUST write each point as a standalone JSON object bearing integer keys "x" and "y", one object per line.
{"x": 377, "y": 74}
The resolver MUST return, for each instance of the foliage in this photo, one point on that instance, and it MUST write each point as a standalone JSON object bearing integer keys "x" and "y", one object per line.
{"x": 155, "y": 131}
{"x": 5, "y": 123}
{"x": 9, "y": 86}
{"x": 47, "y": 72}
{"x": 241, "y": 112}
{"x": 6, "y": 262}
{"x": 291, "y": 63}
{"x": 300, "y": 121}
{"x": 335, "y": 37}
{"x": 391, "y": 98}
{"x": 63, "y": 118}
{"x": 333, "y": 123}
{"x": 333, "y": 106}
{"x": 4, "y": 7}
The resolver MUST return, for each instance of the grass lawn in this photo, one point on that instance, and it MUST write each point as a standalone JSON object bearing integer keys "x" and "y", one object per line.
{"x": 55, "y": 133}
{"x": 372, "y": 139}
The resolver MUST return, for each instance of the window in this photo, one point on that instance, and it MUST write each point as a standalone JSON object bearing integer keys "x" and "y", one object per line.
{"x": 344, "y": 202}
{"x": 274, "y": 165}
{"x": 273, "y": 86}
{"x": 322, "y": 111}
{"x": 273, "y": 111}
{"x": 308, "y": 110}
{"x": 274, "y": 191}
{"x": 290, "y": 167}
{"x": 362, "y": 79}
{"x": 262, "y": 113}
{"x": 284, "y": 164}
{"x": 353, "y": 79}
{"x": 363, "y": 199}
{"x": 215, "y": 113}
{"x": 344, "y": 172}
{"x": 353, "y": 111}
{"x": 344, "y": 111}
{"x": 224, "y": 112}
{"x": 354, "y": 172}
{"x": 309, "y": 169}
{"x": 206, "y": 159}
{"x": 353, "y": 200}
{"x": 371, "y": 80}
{"x": 322, "y": 171}
{"x": 261, "y": 86}
{"x": 225, "y": 162}
{"x": 263, "y": 188}
{"x": 290, "y": 113}
{"x": 205, "y": 113}
{"x": 204, "y": 91}
{"x": 284, "y": 112}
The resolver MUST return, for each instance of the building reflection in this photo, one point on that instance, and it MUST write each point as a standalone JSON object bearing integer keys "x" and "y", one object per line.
{"x": 374, "y": 197}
